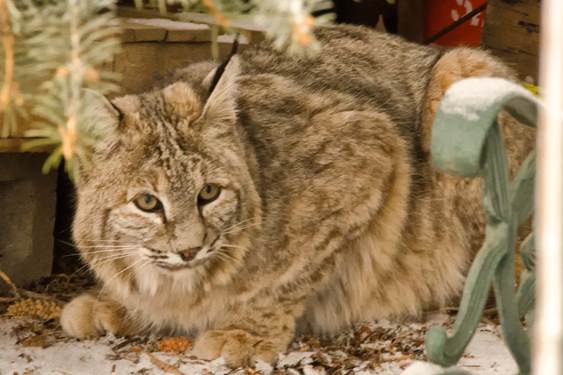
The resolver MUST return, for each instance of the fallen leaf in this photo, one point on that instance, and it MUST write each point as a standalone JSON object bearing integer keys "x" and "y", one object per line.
{"x": 166, "y": 367}
{"x": 39, "y": 341}
{"x": 174, "y": 344}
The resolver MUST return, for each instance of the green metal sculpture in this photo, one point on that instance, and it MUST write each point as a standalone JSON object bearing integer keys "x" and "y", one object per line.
{"x": 467, "y": 141}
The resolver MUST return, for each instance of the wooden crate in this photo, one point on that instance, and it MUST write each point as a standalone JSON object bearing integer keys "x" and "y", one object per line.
{"x": 152, "y": 48}
{"x": 512, "y": 33}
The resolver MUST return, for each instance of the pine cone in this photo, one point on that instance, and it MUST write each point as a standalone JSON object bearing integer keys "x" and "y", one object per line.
{"x": 35, "y": 307}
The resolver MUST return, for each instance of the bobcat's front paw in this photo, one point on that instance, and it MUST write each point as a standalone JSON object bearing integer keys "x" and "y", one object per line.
{"x": 88, "y": 317}
{"x": 237, "y": 347}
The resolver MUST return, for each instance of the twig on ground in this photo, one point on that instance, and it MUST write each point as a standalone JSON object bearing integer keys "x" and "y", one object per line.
{"x": 8, "y": 299}
{"x": 166, "y": 367}
{"x": 30, "y": 294}
{"x": 10, "y": 283}
{"x": 123, "y": 344}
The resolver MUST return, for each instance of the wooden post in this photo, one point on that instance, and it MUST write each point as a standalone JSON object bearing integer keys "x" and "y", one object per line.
{"x": 411, "y": 19}
{"x": 512, "y": 33}
{"x": 548, "y": 330}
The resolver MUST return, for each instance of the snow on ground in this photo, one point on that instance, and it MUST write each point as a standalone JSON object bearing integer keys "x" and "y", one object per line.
{"x": 32, "y": 347}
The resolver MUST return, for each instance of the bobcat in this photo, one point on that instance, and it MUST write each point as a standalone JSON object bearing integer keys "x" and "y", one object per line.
{"x": 296, "y": 195}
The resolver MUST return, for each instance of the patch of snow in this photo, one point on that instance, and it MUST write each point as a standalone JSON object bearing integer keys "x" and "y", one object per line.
{"x": 310, "y": 370}
{"x": 470, "y": 96}
{"x": 264, "y": 368}
{"x": 295, "y": 358}
{"x": 423, "y": 368}
{"x": 486, "y": 355}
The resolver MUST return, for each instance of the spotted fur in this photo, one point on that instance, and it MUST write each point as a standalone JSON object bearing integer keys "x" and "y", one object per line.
{"x": 331, "y": 212}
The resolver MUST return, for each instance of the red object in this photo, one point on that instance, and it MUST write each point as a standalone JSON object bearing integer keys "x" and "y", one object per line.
{"x": 441, "y": 13}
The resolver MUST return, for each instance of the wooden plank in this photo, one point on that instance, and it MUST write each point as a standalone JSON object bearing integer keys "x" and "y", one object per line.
{"x": 245, "y": 26}
{"x": 170, "y": 30}
{"x": 14, "y": 145}
{"x": 132, "y": 12}
{"x": 512, "y": 33}
{"x": 241, "y": 23}
{"x": 254, "y": 33}
{"x": 142, "y": 65}
{"x": 135, "y": 32}
{"x": 411, "y": 19}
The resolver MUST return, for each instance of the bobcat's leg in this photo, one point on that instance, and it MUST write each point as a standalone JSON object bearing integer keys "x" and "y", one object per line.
{"x": 87, "y": 316}
{"x": 253, "y": 333}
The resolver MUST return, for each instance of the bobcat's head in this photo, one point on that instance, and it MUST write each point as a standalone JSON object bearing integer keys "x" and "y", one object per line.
{"x": 169, "y": 197}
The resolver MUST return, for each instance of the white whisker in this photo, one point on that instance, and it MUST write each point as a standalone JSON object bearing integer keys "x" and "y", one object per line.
{"x": 109, "y": 259}
{"x": 239, "y": 227}
{"x": 106, "y": 283}
{"x": 112, "y": 250}
{"x": 249, "y": 220}
{"x": 232, "y": 246}
{"x": 227, "y": 257}
{"x": 113, "y": 257}
{"x": 107, "y": 246}
{"x": 101, "y": 240}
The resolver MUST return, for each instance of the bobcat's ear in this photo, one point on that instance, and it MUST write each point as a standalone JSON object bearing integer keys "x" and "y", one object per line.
{"x": 125, "y": 106}
{"x": 101, "y": 107}
{"x": 221, "y": 105}
{"x": 111, "y": 116}
{"x": 108, "y": 119}
{"x": 105, "y": 121}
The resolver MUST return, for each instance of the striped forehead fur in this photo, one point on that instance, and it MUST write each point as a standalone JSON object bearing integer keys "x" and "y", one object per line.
{"x": 183, "y": 100}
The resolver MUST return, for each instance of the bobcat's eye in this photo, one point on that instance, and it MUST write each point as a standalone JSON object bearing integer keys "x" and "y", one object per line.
{"x": 208, "y": 194}
{"x": 148, "y": 203}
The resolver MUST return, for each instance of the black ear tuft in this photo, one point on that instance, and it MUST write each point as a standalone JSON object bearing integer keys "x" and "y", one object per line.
{"x": 103, "y": 106}
{"x": 221, "y": 68}
{"x": 120, "y": 114}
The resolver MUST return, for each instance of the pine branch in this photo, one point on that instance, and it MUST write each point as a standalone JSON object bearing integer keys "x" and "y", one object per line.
{"x": 288, "y": 23}
{"x": 52, "y": 50}
{"x": 216, "y": 12}
{"x": 9, "y": 93}
{"x": 8, "y": 45}
{"x": 74, "y": 38}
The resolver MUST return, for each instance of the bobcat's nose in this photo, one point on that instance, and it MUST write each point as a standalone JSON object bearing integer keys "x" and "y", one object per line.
{"x": 189, "y": 254}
